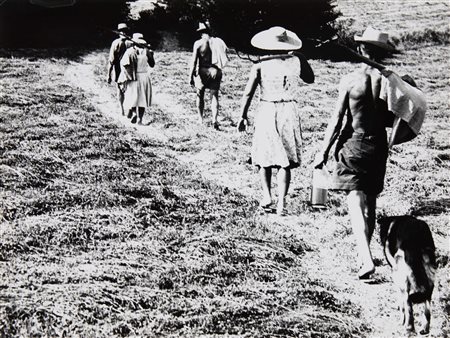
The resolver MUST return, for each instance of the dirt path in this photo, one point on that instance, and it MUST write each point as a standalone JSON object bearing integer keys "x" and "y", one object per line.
{"x": 331, "y": 259}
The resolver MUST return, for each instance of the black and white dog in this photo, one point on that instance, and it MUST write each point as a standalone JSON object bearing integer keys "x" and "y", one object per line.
{"x": 410, "y": 251}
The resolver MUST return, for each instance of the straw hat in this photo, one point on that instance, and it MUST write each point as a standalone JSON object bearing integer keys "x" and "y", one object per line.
{"x": 202, "y": 27}
{"x": 122, "y": 27}
{"x": 375, "y": 37}
{"x": 276, "y": 38}
{"x": 139, "y": 38}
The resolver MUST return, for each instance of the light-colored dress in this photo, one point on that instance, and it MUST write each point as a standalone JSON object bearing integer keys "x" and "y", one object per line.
{"x": 138, "y": 92}
{"x": 277, "y": 140}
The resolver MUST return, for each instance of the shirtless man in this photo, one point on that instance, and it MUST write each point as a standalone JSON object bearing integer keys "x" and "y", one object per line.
{"x": 208, "y": 74}
{"x": 361, "y": 148}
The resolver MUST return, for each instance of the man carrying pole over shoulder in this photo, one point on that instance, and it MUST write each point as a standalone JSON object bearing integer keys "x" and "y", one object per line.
{"x": 118, "y": 48}
{"x": 362, "y": 147}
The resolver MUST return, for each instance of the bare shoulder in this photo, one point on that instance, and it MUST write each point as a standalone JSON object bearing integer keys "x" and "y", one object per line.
{"x": 375, "y": 74}
{"x": 348, "y": 79}
{"x": 360, "y": 76}
{"x": 197, "y": 44}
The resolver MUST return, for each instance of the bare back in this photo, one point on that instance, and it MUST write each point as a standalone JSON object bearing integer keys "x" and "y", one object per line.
{"x": 203, "y": 52}
{"x": 366, "y": 112}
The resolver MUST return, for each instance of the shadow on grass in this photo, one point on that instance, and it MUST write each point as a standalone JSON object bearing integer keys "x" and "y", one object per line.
{"x": 431, "y": 207}
{"x": 74, "y": 54}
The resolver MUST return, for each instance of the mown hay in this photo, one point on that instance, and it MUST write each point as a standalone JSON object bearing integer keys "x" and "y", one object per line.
{"x": 101, "y": 237}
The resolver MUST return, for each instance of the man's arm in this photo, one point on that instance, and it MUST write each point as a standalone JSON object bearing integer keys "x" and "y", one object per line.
{"x": 193, "y": 63}
{"x": 111, "y": 61}
{"x": 334, "y": 125}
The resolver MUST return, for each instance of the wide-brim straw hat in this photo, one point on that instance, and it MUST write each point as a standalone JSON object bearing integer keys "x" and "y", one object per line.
{"x": 122, "y": 27}
{"x": 375, "y": 37}
{"x": 139, "y": 38}
{"x": 276, "y": 38}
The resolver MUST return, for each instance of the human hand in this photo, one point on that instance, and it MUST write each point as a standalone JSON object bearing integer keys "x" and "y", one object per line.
{"x": 242, "y": 125}
{"x": 320, "y": 160}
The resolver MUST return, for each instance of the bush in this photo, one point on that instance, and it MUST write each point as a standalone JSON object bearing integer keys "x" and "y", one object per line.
{"x": 236, "y": 21}
{"x": 87, "y": 22}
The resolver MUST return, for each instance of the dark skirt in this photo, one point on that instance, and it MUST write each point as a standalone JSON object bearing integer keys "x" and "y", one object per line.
{"x": 361, "y": 163}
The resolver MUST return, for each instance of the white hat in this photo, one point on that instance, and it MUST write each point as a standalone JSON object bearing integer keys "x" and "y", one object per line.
{"x": 202, "y": 27}
{"x": 276, "y": 38}
{"x": 122, "y": 26}
{"x": 375, "y": 37}
{"x": 139, "y": 38}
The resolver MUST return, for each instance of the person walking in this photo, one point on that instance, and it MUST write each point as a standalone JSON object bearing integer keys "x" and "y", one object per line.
{"x": 361, "y": 143}
{"x": 136, "y": 77}
{"x": 209, "y": 57}
{"x": 118, "y": 48}
{"x": 277, "y": 139}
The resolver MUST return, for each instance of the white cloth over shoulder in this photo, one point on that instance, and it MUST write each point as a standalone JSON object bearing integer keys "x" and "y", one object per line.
{"x": 219, "y": 56}
{"x": 406, "y": 102}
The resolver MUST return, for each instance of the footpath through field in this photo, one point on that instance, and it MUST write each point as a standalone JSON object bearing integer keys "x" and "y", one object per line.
{"x": 220, "y": 156}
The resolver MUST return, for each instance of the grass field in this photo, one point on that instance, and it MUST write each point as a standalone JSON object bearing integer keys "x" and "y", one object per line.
{"x": 109, "y": 229}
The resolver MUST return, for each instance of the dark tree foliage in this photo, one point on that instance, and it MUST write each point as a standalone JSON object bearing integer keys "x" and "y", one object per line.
{"x": 236, "y": 21}
{"x": 87, "y": 22}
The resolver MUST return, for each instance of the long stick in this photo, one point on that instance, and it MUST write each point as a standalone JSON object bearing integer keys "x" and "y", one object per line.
{"x": 358, "y": 56}
{"x": 127, "y": 37}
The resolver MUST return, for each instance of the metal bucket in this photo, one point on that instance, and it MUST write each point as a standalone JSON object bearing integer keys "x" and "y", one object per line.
{"x": 318, "y": 197}
{"x": 319, "y": 194}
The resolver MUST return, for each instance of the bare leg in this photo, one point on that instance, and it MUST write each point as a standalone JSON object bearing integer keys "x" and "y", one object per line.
{"x": 134, "y": 114}
{"x": 141, "y": 111}
{"x": 215, "y": 107}
{"x": 283, "y": 180}
{"x": 200, "y": 102}
{"x": 358, "y": 210}
{"x": 266, "y": 181}
{"x": 371, "y": 214}
{"x": 121, "y": 97}
{"x": 427, "y": 316}
{"x": 409, "y": 316}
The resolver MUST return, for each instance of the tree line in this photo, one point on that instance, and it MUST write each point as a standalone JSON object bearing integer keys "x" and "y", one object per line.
{"x": 236, "y": 21}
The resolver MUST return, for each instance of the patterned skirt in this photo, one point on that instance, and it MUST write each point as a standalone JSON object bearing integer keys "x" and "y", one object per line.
{"x": 277, "y": 141}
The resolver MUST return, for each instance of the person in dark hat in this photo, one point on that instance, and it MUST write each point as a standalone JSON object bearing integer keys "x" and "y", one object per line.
{"x": 277, "y": 140}
{"x": 209, "y": 57}
{"x": 361, "y": 143}
{"x": 117, "y": 50}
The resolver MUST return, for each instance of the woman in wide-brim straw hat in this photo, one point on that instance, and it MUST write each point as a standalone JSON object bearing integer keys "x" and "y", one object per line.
{"x": 136, "y": 63}
{"x": 277, "y": 140}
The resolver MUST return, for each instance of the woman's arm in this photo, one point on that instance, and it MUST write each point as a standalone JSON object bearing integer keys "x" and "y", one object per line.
{"x": 150, "y": 58}
{"x": 247, "y": 96}
{"x": 306, "y": 72}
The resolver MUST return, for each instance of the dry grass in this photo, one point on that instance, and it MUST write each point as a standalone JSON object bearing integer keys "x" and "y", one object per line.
{"x": 108, "y": 232}
{"x": 102, "y": 237}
